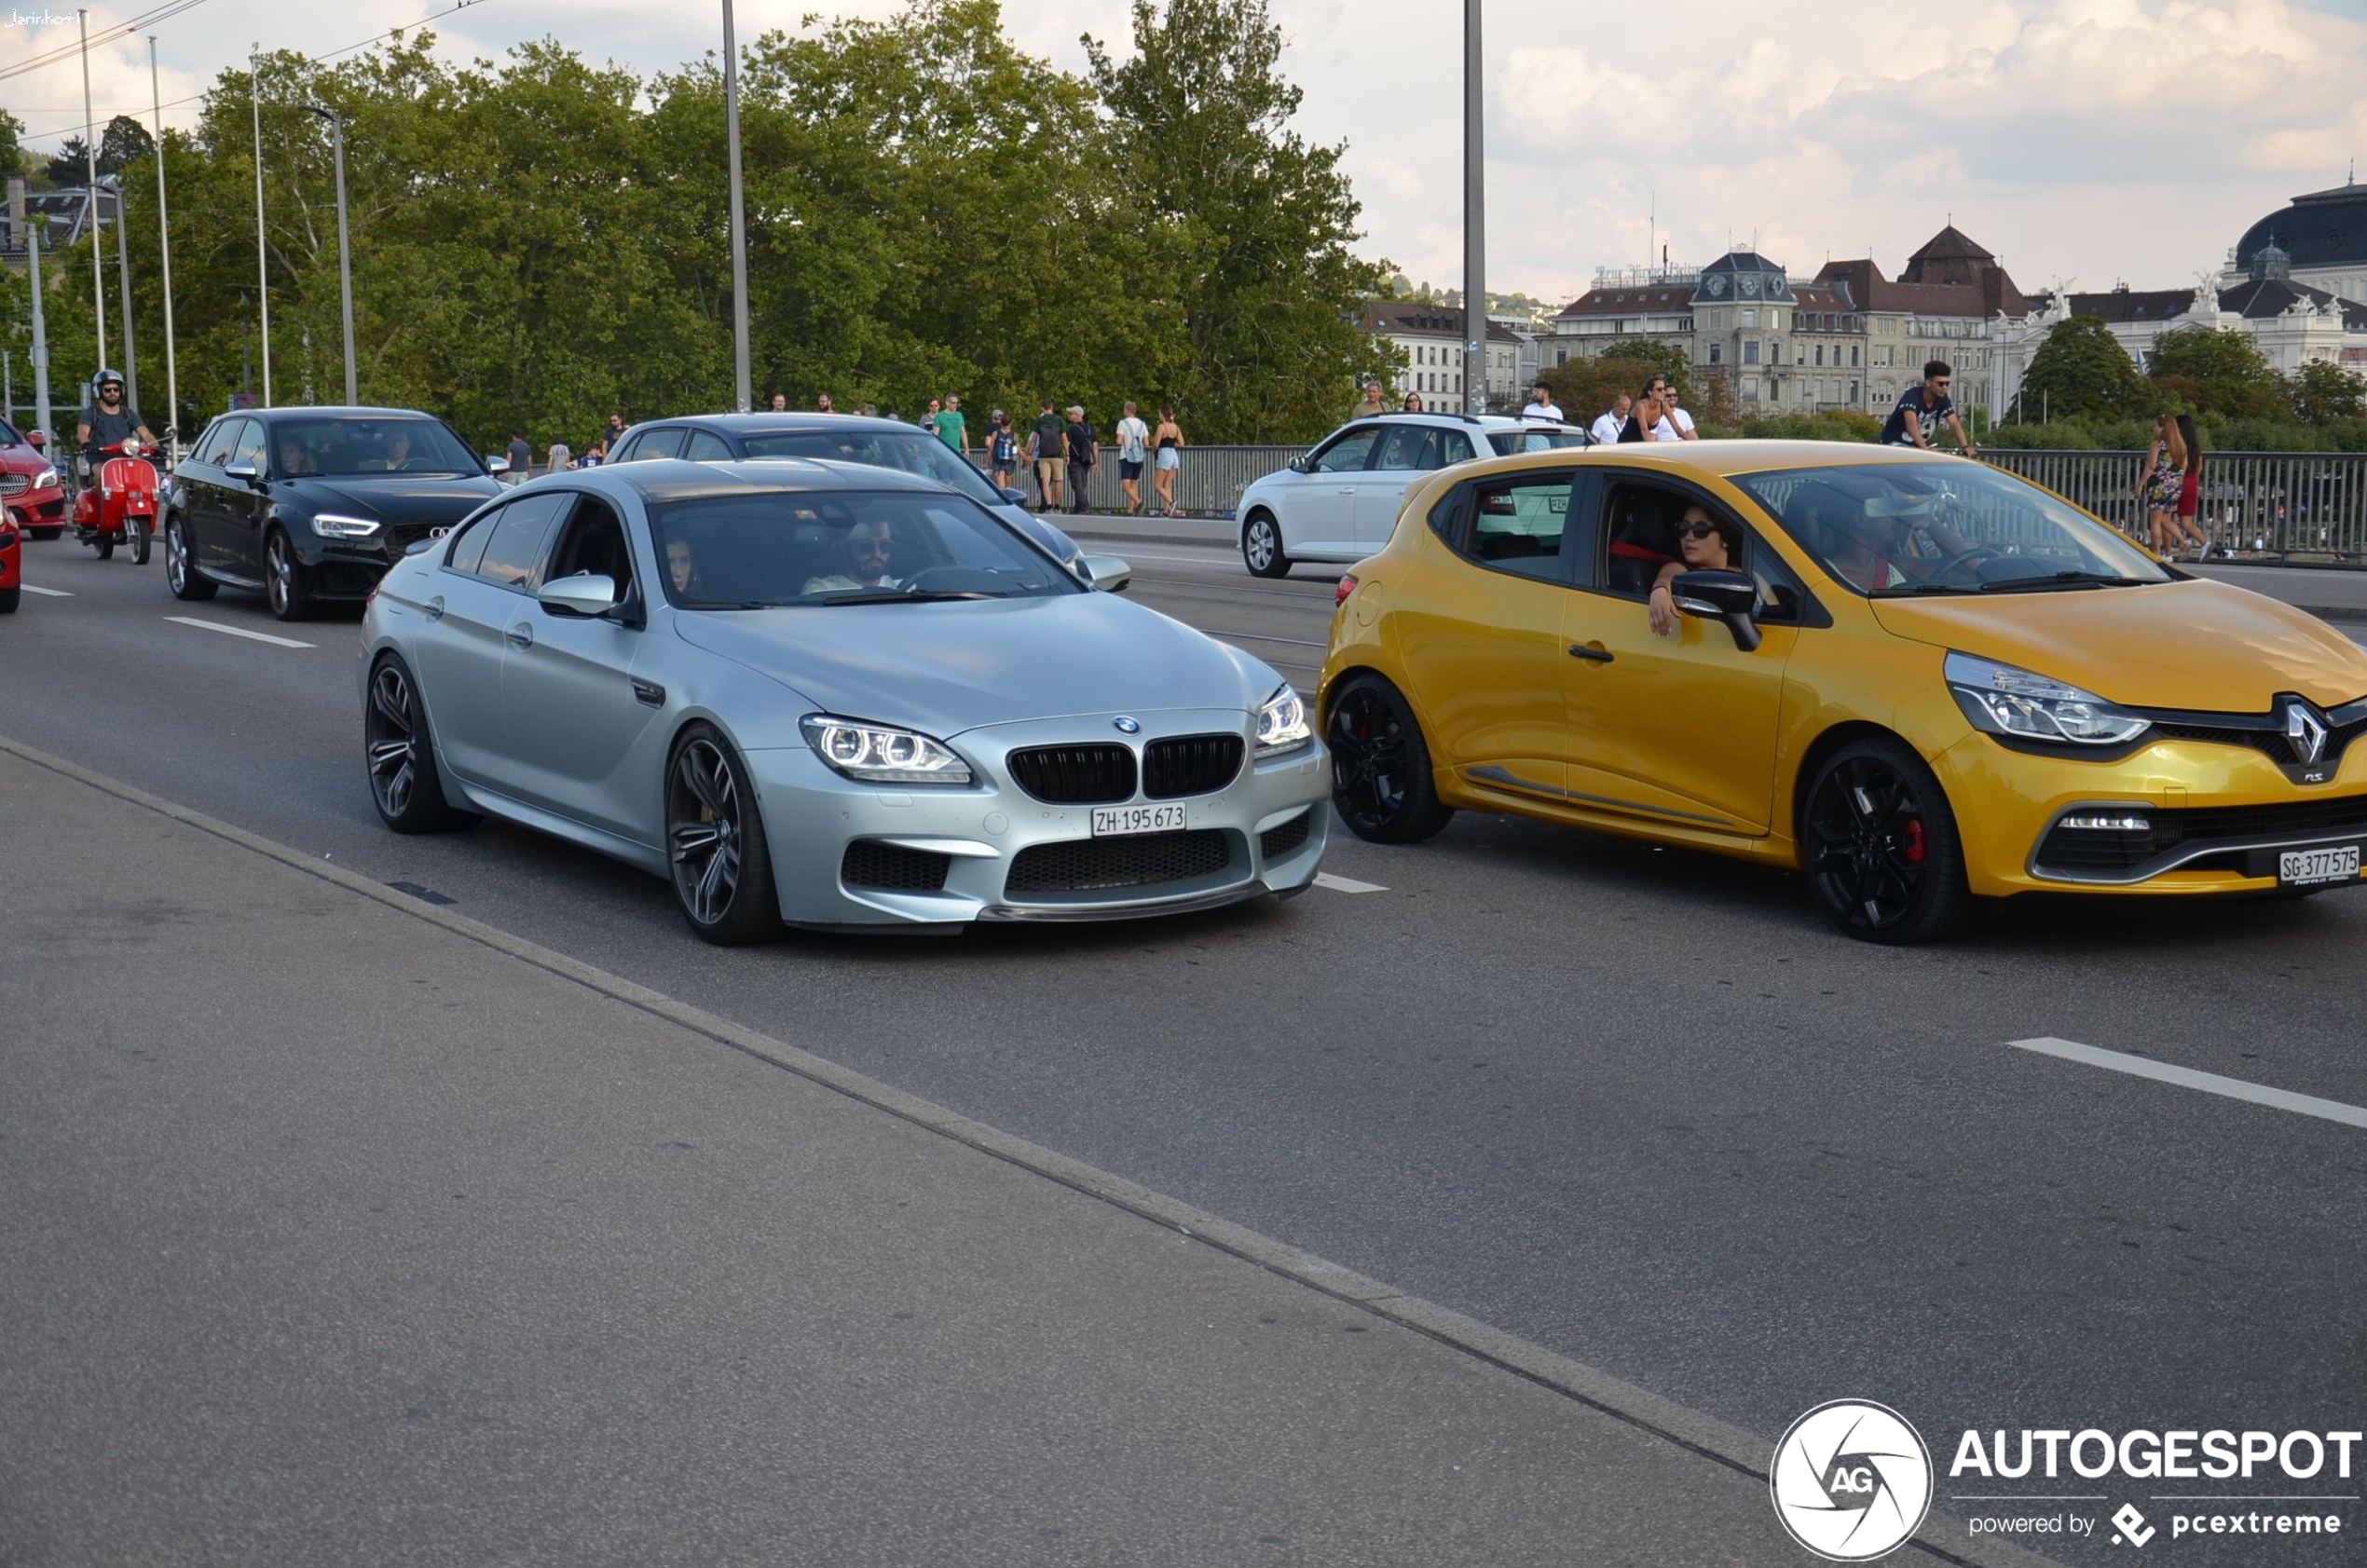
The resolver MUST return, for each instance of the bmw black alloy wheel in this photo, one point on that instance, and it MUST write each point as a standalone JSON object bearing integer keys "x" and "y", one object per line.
{"x": 391, "y": 733}
{"x": 1869, "y": 843}
{"x": 705, "y": 830}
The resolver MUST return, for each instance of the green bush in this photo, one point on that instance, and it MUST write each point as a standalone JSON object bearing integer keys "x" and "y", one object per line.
{"x": 1832, "y": 424}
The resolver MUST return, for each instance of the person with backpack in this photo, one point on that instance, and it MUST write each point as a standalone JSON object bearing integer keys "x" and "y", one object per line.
{"x": 1045, "y": 444}
{"x": 1001, "y": 449}
{"x": 1133, "y": 446}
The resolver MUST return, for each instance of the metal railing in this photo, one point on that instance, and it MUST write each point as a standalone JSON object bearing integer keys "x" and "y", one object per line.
{"x": 1208, "y": 484}
{"x": 2300, "y": 506}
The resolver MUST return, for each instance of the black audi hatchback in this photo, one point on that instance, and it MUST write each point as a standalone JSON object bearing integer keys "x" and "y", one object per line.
{"x": 313, "y": 505}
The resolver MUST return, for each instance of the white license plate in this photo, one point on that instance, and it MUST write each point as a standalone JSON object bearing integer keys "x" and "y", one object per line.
{"x": 2301, "y": 868}
{"x": 1113, "y": 822}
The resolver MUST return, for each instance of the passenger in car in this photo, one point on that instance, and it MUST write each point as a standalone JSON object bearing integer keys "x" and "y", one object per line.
{"x": 295, "y": 459}
{"x": 870, "y": 548}
{"x": 682, "y": 568}
{"x": 1704, "y": 544}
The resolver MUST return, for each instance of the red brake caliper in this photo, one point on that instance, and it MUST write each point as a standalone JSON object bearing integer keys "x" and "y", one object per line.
{"x": 1914, "y": 841}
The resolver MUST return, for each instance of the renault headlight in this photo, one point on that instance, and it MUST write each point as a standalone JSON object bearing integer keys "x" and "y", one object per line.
{"x": 337, "y": 525}
{"x": 2005, "y": 701}
{"x": 881, "y": 753}
{"x": 1281, "y": 723}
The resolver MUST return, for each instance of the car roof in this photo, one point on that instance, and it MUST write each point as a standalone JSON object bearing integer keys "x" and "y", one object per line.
{"x": 675, "y": 479}
{"x": 791, "y": 422}
{"x": 338, "y": 411}
{"x": 1462, "y": 421}
{"x": 1725, "y": 458}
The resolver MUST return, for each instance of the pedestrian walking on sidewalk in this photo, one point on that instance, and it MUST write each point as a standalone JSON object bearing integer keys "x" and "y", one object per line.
{"x": 521, "y": 458}
{"x": 1168, "y": 457}
{"x": 2160, "y": 482}
{"x": 1045, "y": 445}
{"x": 953, "y": 426}
{"x": 1368, "y": 402}
{"x": 1084, "y": 451}
{"x": 1134, "y": 447}
{"x": 1001, "y": 449}
{"x": 2190, "y": 496}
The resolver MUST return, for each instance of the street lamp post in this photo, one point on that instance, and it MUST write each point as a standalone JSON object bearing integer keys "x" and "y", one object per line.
{"x": 40, "y": 329}
{"x": 123, "y": 273}
{"x": 345, "y": 253}
{"x": 164, "y": 252}
{"x": 90, "y": 164}
{"x": 1474, "y": 222}
{"x": 743, "y": 388}
{"x": 261, "y": 264}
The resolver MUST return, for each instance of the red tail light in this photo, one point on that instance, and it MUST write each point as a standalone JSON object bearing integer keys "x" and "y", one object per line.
{"x": 1348, "y": 586}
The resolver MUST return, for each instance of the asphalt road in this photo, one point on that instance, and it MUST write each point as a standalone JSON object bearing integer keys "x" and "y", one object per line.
{"x": 1640, "y": 1107}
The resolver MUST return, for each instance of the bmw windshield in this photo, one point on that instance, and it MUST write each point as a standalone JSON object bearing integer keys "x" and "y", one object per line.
{"x": 916, "y": 453}
{"x": 1893, "y": 530}
{"x": 776, "y": 548}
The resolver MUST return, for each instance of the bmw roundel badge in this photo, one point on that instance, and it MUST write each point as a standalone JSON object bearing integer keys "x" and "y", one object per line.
{"x": 1128, "y": 725}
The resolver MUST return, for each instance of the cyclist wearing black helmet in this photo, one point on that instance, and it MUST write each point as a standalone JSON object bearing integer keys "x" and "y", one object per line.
{"x": 109, "y": 422}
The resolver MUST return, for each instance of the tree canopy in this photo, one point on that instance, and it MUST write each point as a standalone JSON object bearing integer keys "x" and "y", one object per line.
{"x": 2217, "y": 370}
{"x": 930, "y": 210}
{"x": 2082, "y": 370}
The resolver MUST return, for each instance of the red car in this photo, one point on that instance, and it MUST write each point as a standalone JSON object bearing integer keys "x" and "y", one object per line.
{"x": 11, "y": 563}
{"x": 29, "y": 484}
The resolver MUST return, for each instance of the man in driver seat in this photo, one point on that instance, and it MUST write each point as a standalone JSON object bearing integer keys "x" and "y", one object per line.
{"x": 1886, "y": 541}
{"x": 870, "y": 548}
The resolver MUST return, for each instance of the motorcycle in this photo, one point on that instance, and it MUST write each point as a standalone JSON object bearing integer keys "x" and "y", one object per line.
{"x": 120, "y": 508}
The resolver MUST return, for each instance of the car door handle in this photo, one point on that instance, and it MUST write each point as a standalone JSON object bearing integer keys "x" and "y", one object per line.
{"x": 434, "y": 608}
{"x": 1579, "y": 650}
{"x": 521, "y": 635}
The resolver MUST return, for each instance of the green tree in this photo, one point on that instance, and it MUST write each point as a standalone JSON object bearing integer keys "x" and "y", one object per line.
{"x": 1248, "y": 229}
{"x": 123, "y": 143}
{"x": 2081, "y": 369}
{"x": 2220, "y": 370}
{"x": 1584, "y": 389}
{"x": 2325, "y": 392}
{"x": 12, "y": 157}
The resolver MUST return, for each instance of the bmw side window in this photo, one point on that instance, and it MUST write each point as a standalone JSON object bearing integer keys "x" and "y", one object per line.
{"x": 514, "y": 547}
{"x": 706, "y": 447}
{"x": 469, "y": 548}
{"x": 658, "y": 443}
{"x": 1347, "y": 455}
{"x": 593, "y": 541}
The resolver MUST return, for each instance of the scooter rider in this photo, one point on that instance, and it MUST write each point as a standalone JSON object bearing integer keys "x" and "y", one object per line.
{"x": 109, "y": 422}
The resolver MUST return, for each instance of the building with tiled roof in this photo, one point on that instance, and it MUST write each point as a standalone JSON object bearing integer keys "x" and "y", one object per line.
{"x": 1431, "y": 336}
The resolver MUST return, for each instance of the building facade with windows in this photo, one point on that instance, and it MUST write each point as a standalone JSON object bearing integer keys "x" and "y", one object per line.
{"x": 1431, "y": 338}
{"x": 1945, "y": 304}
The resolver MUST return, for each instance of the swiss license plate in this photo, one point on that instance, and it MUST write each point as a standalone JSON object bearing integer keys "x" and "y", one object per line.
{"x": 1111, "y": 822}
{"x": 2300, "y": 868}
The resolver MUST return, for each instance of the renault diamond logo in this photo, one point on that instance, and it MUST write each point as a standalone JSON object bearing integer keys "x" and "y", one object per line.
{"x": 1131, "y": 727}
{"x": 1850, "y": 1480}
{"x": 2305, "y": 729}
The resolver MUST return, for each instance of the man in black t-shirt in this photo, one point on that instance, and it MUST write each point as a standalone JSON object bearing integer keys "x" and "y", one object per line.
{"x": 1922, "y": 410}
{"x": 1045, "y": 445}
{"x": 109, "y": 422}
{"x": 1084, "y": 451}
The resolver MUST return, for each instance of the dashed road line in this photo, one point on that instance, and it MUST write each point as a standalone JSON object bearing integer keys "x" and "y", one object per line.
{"x": 1257, "y": 637}
{"x": 236, "y": 631}
{"x": 2188, "y": 1078}
{"x": 1346, "y": 884}
{"x": 45, "y": 593}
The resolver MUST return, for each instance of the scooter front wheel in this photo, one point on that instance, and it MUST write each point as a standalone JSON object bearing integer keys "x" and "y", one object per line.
{"x": 137, "y": 534}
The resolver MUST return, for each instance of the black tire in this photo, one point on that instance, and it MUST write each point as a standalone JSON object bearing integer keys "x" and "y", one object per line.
{"x": 137, "y": 535}
{"x": 105, "y": 546}
{"x": 1381, "y": 783}
{"x": 1262, "y": 550}
{"x": 9, "y": 599}
{"x": 1879, "y": 844}
{"x": 398, "y": 753}
{"x": 181, "y": 572}
{"x": 716, "y": 848}
{"x": 287, "y": 583}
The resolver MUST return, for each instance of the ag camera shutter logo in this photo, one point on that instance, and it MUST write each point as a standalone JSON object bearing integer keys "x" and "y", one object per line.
{"x": 1850, "y": 1480}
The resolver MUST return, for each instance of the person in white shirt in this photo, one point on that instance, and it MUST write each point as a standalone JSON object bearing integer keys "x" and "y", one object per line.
{"x": 1541, "y": 408}
{"x": 1607, "y": 429}
{"x": 1133, "y": 440}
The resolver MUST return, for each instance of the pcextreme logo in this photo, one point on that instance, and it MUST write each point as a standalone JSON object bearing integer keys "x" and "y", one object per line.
{"x": 1850, "y": 1480}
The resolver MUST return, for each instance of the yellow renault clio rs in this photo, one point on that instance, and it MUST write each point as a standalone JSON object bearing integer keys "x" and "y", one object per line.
{"x": 1917, "y": 678}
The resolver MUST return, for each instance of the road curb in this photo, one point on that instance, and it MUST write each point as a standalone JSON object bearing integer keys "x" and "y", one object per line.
{"x": 1944, "y": 1539}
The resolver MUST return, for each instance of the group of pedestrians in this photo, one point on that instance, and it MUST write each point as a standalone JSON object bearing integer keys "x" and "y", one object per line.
{"x": 1062, "y": 449}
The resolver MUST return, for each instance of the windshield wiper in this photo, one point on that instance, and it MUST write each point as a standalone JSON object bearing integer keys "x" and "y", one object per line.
{"x": 898, "y": 596}
{"x": 2061, "y": 579}
{"x": 1904, "y": 589}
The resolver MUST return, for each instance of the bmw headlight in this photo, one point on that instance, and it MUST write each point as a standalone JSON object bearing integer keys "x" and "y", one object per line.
{"x": 1281, "y": 723}
{"x": 336, "y": 526}
{"x": 880, "y": 753}
{"x": 2005, "y": 701}
{"x": 45, "y": 479}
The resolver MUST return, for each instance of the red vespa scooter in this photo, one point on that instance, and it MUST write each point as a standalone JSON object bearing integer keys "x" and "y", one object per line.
{"x": 120, "y": 507}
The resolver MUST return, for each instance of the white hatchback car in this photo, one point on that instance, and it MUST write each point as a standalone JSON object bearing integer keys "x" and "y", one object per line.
{"x": 1340, "y": 501}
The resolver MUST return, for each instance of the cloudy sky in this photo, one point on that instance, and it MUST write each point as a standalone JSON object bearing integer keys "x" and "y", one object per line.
{"x": 2082, "y": 140}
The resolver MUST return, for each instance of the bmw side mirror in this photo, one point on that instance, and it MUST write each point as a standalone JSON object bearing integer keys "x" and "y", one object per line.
{"x": 1715, "y": 595}
{"x": 244, "y": 472}
{"x": 497, "y": 464}
{"x": 586, "y": 594}
{"x": 1106, "y": 572}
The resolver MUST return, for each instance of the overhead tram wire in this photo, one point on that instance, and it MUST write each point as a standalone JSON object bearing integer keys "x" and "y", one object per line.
{"x": 315, "y": 60}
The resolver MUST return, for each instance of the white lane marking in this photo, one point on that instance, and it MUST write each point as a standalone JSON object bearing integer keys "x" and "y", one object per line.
{"x": 2188, "y": 1078}
{"x": 236, "y": 631}
{"x": 1346, "y": 884}
{"x": 1259, "y": 637}
{"x": 45, "y": 593}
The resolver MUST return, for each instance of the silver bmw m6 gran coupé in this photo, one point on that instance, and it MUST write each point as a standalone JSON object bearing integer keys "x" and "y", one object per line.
{"x": 832, "y": 696}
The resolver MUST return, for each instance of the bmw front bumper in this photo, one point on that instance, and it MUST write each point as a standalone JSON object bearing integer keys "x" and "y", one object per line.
{"x": 879, "y": 856}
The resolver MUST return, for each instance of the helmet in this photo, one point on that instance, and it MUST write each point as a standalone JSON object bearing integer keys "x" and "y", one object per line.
{"x": 104, "y": 376}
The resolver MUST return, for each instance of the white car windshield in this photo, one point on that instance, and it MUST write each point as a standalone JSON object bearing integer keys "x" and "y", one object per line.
{"x": 917, "y": 452}
{"x": 1893, "y": 529}
{"x": 772, "y": 548}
